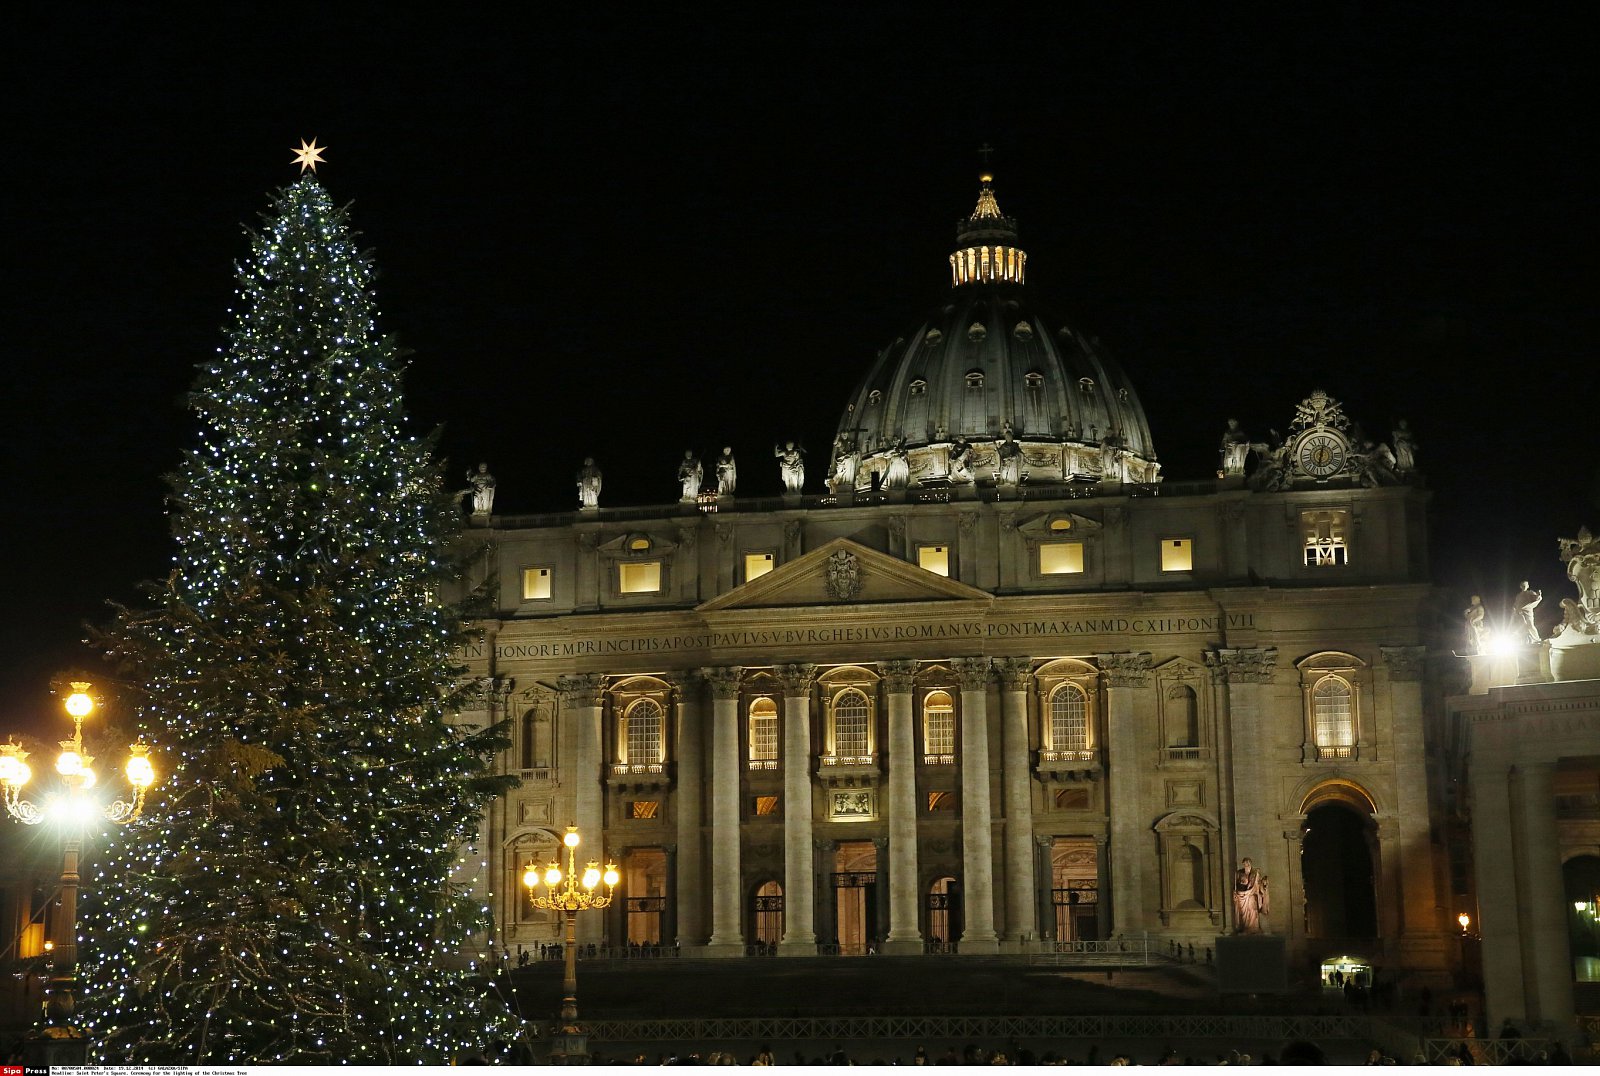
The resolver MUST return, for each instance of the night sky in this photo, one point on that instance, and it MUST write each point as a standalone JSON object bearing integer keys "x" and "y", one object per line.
{"x": 633, "y": 233}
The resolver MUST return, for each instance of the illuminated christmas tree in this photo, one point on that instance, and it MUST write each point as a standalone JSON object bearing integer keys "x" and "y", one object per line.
{"x": 287, "y": 898}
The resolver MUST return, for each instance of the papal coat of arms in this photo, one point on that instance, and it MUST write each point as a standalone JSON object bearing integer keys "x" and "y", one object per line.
{"x": 843, "y": 576}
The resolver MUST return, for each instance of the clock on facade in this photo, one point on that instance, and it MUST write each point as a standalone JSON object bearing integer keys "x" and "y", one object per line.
{"x": 1321, "y": 453}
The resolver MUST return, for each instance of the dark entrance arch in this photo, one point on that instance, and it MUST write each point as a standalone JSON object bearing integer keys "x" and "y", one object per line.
{"x": 1580, "y": 879}
{"x": 1336, "y": 865}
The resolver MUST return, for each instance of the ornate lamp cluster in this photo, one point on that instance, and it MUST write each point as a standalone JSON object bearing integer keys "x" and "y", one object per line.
{"x": 77, "y": 775}
{"x": 575, "y": 894}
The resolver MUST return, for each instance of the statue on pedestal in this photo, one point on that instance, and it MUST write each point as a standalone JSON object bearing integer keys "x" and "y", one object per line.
{"x": 897, "y": 471}
{"x": 589, "y": 485}
{"x": 791, "y": 466}
{"x": 1250, "y": 898}
{"x": 481, "y": 486}
{"x": 960, "y": 463}
{"x": 1523, "y": 605}
{"x": 1010, "y": 454}
{"x": 846, "y": 462}
{"x": 1405, "y": 449}
{"x": 689, "y": 475}
{"x": 727, "y": 473}
{"x": 1477, "y": 627}
{"x": 1235, "y": 449}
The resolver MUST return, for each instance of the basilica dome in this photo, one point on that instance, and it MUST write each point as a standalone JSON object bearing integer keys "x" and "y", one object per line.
{"x": 989, "y": 390}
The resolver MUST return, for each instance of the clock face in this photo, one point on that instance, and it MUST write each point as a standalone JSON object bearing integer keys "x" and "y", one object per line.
{"x": 1320, "y": 454}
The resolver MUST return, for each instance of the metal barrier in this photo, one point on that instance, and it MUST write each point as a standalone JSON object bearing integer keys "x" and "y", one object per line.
{"x": 1485, "y": 1051}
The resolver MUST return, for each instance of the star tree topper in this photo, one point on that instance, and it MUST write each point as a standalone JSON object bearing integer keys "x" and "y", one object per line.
{"x": 308, "y": 156}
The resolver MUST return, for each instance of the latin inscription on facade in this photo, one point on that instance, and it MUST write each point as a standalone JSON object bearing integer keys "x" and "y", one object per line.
{"x": 877, "y": 633}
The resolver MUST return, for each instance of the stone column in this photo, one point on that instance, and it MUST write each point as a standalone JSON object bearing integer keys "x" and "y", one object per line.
{"x": 582, "y": 695}
{"x": 1498, "y": 921}
{"x": 1022, "y": 922}
{"x": 904, "y": 937}
{"x": 726, "y": 937}
{"x": 1130, "y": 830}
{"x": 1247, "y": 674}
{"x": 688, "y": 892}
{"x": 799, "y": 882}
{"x": 1422, "y": 939}
{"x": 977, "y": 839}
{"x": 1547, "y": 980}
{"x": 880, "y": 908}
{"x": 1043, "y": 897}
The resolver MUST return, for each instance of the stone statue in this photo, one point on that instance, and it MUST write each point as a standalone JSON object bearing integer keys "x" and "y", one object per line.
{"x": 589, "y": 485}
{"x": 689, "y": 475}
{"x": 1273, "y": 472}
{"x": 897, "y": 470}
{"x": 1523, "y": 605}
{"x": 1405, "y": 449}
{"x": 1373, "y": 464}
{"x": 1010, "y": 454}
{"x": 1235, "y": 449}
{"x": 1477, "y": 628}
{"x": 1250, "y": 900}
{"x": 846, "y": 463}
{"x": 727, "y": 473}
{"x": 1113, "y": 458}
{"x": 481, "y": 484}
{"x": 960, "y": 463}
{"x": 791, "y": 466}
{"x": 1581, "y": 555}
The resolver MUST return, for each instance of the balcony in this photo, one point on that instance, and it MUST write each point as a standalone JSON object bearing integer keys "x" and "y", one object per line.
{"x": 1063, "y": 766}
{"x": 848, "y": 771}
{"x": 640, "y": 776}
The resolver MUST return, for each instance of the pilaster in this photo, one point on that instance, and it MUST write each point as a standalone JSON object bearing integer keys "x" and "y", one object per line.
{"x": 727, "y": 939}
{"x": 1022, "y": 917}
{"x": 1547, "y": 981}
{"x": 582, "y": 695}
{"x": 799, "y": 881}
{"x": 1246, "y": 674}
{"x": 904, "y": 937}
{"x": 1125, "y": 674}
{"x": 689, "y": 793}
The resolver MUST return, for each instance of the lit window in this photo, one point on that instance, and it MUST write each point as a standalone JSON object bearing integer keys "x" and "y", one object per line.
{"x": 1060, "y": 525}
{"x": 934, "y": 558}
{"x": 941, "y": 801}
{"x": 757, "y": 565}
{"x": 1069, "y": 720}
{"x": 644, "y": 724}
{"x": 639, "y": 544}
{"x": 1325, "y": 533}
{"x": 535, "y": 584}
{"x": 1333, "y": 718}
{"x": 764, "y": 805}
{"x": 643, "y": 577}
{"x": 763, "y": 734}
{"x": 1177, "y": 555}
{"x": 1060, "y": 558}
{"x": 643, "y": 808}
{"x": 852, "y": 735}
{"x": 939, "y": 729}
{"x": 1072, "y": 799}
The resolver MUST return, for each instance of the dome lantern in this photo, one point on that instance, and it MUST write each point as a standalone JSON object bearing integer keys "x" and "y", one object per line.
{"x": 986, "y": 244}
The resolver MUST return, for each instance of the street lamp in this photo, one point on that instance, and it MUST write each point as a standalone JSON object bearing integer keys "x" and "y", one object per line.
{"x": 570, "y": 1042}
{"x": 73, "y": 808}
{"x": 1465, "y": 920}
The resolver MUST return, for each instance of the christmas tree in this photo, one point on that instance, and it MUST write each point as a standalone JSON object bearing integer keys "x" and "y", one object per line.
{"x": 287, "y": 897}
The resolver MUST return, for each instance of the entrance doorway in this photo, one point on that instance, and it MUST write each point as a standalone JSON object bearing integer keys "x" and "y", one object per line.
{"x": 1580, "y": 877}
{"x": 644, "y": 874}
{"x": 1075, "y": 888}
{"x": 1336, "y": 863}
{"x": 766, "y": 917}
{"x": 944, "y": 915}
{"x": 855, "y": 891}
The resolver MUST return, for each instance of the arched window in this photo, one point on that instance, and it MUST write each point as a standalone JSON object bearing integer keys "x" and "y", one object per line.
{"x": 1332, "y": 718}
{"x": 643, "y": 721}
{"x": 763, "y": 735}
{"x": 768, "y": 918}
{"x": 1069, "y": 719}
{"x": 852, "y": 735}
{"x": 938, "y": 729}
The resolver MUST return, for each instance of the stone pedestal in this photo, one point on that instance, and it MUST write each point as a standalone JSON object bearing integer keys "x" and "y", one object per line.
{"x": 1252, "y": 964}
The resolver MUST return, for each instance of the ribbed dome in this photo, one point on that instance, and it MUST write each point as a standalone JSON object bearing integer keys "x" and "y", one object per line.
{"x": 983, "y": 366}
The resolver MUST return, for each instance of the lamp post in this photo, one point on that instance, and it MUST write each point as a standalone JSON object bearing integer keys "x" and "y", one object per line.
{"x": 570, "y": 1044}
{"x": 72, "y": 808}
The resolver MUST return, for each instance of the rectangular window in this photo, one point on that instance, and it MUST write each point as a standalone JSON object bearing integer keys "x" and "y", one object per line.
{"x": 643, "y": 808}
{"x": 535, "y": 584}
{"x": 1060, "y": 558}
{"x": 764, "y": 805}
{"x": 639, "y": 577}
{"x": 1177, "y": 555}
{"x": 941, "y": 801}
{"x": 1324, "y": 532}
{"x": 1072, "y": 799}
{"x": 757, "y": 565}
{"x": 934, "y": 558}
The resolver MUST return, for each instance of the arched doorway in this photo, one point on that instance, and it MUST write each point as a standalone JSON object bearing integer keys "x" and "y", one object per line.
{"x": 644, "y": 879}
{"x": 944, "y": 915}
{"x": 1580, "y": 878}
{"x": 766, "y": 917}
{"x": 1337, "y": 866}
{"x": 855, "y": 890}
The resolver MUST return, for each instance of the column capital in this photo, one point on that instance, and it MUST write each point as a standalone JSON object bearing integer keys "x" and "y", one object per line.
{"x": 898, "y": 676}
{"x": 724, "y": 681}
{"x": 1016, "y": 674}
{"x": 582, "y": 690}
{"x": 797, "y": 679}
{"x": 1126, "y": 669}
{"x": 972, "y": 672}
{"x": 1404, "y": 662}
{"x": 1044, "y": 840}
{"x": 1245, "y": 665}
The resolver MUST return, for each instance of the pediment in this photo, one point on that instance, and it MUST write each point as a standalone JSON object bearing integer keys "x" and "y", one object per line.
{"x": 1063, "y": 526}
{"x": 843, "y": 572}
